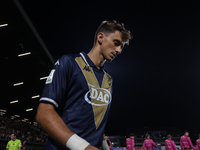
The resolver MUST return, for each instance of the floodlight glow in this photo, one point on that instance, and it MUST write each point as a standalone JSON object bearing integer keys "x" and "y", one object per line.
{"x": 2, "y": 110}
{"x": 29, "y": 109}
{"x": 13, "y": 102}
{"x": 24, "y": 54}
{"x": 3, "y": 25}
{"x": 20, "y": 83}
{"x": 36, "y": 96}
{"x": 44, "y": 78}
{"x": 17, "y": 115}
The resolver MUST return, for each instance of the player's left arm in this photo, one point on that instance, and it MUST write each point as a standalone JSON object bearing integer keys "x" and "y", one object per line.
{"x": 174, "y": 146}
{"x": 189, "y": 140}
{"x": 153, "y": 143}
{"x": 19, "y": 145}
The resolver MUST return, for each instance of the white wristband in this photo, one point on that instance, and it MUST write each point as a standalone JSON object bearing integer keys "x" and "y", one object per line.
{"x": 76, "y": 143}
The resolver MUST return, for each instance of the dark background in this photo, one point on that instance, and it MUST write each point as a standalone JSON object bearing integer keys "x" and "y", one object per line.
{"x": 156, "y": 78}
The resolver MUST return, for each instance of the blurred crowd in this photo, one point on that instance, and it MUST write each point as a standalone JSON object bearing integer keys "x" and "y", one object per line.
{"x": 23, "y": 130}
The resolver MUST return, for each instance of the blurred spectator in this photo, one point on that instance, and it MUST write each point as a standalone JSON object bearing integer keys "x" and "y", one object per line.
{"x": 23, "y": 130}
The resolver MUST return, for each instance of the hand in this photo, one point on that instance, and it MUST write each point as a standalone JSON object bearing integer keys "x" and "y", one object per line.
{"x": 90, "y": 147}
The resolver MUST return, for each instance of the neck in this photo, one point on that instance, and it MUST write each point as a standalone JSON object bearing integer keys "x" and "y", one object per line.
{"x": 14, "y": 139}
{"x": 96, "y": 57}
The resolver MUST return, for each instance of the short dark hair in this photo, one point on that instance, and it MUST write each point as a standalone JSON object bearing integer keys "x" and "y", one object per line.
{"x": 13, "y": 133}
{"x": 169, "y": 136}
{"x": 132, "y": 134}
{"x": 186, "y": 131}
{"x": 147, "y": 135}
{"x": 108, "y": 27}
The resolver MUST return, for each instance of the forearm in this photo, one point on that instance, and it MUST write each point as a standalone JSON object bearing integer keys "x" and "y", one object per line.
{"x": 53, "y": 124}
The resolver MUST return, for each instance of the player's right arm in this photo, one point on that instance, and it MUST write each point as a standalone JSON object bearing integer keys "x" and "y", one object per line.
{"x": 52, "y": 96}
{"x": 143, "y": 147}
{"x": 54, "y": 125}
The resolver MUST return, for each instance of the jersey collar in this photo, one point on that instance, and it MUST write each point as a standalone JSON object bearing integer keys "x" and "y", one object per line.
{"x": 88, "y": 61}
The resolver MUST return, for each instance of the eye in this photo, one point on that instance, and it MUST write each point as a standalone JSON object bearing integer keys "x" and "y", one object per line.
{"x": 117, "y": 43}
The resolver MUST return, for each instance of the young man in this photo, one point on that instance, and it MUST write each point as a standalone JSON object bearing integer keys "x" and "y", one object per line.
{"x": 148, "y": 143}
{"x": 130, "y": 142}
{"x": 185, "y": 141}
{"x": 13, "y": 144}
{"x": 76, "y": 99}
{"x": 198, "y": 143}
{"x": 169, "y": 143}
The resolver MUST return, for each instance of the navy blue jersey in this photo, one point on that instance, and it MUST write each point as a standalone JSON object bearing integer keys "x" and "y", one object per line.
{"x": 81, "y": 94}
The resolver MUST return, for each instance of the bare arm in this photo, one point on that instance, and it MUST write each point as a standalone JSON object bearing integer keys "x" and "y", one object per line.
{"x": 53, "y": 124}
{"x": 19, "y": 148}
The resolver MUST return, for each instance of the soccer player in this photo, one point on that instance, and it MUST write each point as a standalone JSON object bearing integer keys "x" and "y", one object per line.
{"x": 185, "y": 141}
{"x": 76, "y": 99}
{"x": 198, "y": 143}
{"x": 169, "y": 143}
{"x": 130, "y": 142}
{"x": 148, "y": 143}
{"x": 13, "y": 144}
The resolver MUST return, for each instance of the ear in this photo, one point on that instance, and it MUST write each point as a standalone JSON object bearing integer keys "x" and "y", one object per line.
{"x": 100, "y": 37}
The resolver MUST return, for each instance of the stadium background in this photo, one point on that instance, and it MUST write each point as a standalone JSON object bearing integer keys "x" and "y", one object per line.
{"x": 26, "y": 62}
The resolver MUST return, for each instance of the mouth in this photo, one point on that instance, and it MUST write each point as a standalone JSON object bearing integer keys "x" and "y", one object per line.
{"x": 113, "y": 55}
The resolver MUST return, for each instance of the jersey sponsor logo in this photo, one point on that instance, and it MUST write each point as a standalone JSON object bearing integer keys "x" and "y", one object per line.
{"x": 100, "y": 96}
{"x": 50, "y": 77}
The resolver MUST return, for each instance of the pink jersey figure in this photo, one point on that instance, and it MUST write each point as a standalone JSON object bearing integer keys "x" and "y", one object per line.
{"x": 148, "y": 143}
{"x": 198, "y": 143}
{"x": 130, "y": 142}
{"x": 169, "y": 144}
{"x": 185, "y": 141}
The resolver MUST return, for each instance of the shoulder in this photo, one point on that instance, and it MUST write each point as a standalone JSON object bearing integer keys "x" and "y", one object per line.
{"x": 66, "y": 58}
{"x": 10, "y": 141}
{"x": 17, "y": 140}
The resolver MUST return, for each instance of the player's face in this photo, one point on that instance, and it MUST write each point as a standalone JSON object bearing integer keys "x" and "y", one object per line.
{"x": 12, "y": 136}
{"x": 132, "y": 137}
{"x": 111, "y": 45}
{"x": 187, "y": 133}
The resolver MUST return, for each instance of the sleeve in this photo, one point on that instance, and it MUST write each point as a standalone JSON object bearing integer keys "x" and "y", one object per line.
{"x": 143, "y": 147}
{"x": 191, "y": 145}
{"x": 174, "y": 146}
{"x": 19, "y": 144}
{"x": 153, "y": 143}
{"x": 181, "y": 144}
{"x": 165, "y": 145}
{"x": 57, "y": 82}
{"x": 197, "y": 145}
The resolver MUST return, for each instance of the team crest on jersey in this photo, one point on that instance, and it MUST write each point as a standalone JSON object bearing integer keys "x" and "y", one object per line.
{"x": 50, "y": 77}
{"x": 98, "y": 97}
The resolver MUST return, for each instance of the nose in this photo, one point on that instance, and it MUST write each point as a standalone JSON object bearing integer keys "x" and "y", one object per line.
{"x": 118, "y": 49}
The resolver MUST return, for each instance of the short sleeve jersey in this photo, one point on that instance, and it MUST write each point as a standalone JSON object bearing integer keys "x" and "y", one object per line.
{"x": 13, "y": 145}
{"x": 81, "y": 94}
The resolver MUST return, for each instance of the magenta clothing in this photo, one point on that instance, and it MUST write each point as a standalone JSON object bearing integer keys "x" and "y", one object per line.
{"x": 170, "y": 145}
{"x": 148, "y": 143}
{"x": 198, "y": 144}
{"x": 185, "y": 142}
{"x": 129, "y": 144}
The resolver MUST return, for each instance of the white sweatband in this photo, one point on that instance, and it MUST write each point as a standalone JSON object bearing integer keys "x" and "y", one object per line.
{"x": 76, "y": 143}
